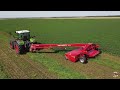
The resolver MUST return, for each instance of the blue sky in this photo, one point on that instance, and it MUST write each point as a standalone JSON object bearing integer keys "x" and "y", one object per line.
{"x": 15, "y": 14}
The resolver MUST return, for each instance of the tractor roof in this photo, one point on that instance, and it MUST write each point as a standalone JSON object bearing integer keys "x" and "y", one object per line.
{"x": 22, "y": 31}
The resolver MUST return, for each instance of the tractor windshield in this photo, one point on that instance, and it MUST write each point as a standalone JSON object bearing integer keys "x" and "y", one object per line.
{"x": 24, "y": 36}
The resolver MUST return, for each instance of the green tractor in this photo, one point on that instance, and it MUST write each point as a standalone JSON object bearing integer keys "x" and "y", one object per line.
{"x": 21, "y": 43}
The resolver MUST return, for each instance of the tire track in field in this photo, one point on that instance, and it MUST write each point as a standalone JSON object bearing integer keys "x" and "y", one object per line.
{"x": 31, "y": 69}
{"x": 10, "y": 67}
{"x": 91, "y": 69}
{"x": 40, "y": 68}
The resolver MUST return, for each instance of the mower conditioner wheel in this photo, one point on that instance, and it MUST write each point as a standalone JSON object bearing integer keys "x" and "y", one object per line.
{"x": 83, "y": 59}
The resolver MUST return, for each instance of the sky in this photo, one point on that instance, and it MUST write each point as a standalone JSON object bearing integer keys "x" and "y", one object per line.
{"x": 23, "y": 14}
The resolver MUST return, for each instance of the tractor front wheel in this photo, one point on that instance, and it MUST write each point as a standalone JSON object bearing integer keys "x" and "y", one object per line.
{"x": 12, "y": 44}
{"x": 83, "y": 59}
{"x": 19, "y": 48}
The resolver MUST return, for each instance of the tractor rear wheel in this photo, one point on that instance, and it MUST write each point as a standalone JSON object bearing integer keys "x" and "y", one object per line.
{"x": 12, "y": 44}
{"x": 19, "y": 48}
{"x": 83, "y": 59}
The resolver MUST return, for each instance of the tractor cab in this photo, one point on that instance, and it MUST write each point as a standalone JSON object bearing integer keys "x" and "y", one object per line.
{"x": 23, "y": 34}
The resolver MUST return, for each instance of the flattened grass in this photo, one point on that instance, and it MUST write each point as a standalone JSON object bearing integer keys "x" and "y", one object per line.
{"x": 53, "y": 66}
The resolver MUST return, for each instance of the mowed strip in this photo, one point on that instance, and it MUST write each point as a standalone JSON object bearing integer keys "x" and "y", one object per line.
{"x": 10, "y": 67}
{"x": 92, "y": 69}
{"x": 20, "y": 66}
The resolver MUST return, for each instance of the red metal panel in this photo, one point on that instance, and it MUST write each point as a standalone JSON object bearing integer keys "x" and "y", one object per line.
{"x": 84, "y": 49}
{"x": 39, "y": 46}
{"x": 93, "y": 53}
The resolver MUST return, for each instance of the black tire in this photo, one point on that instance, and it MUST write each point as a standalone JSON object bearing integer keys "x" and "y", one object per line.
{"x": 19, "y": 48}
{"x": 83, "y": 59}
{"x": 99, "y": 50}
{"x": 12, "y": 44}
{"x": 27, "y": 46}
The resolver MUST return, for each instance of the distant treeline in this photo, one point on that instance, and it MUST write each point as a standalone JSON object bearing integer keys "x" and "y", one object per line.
{"x": 87, "y": 16}
{"x": 105, "y": 16}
